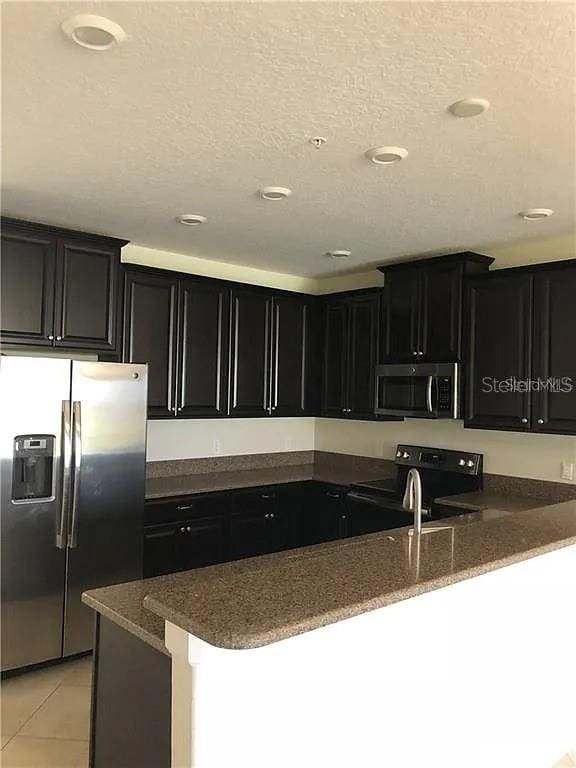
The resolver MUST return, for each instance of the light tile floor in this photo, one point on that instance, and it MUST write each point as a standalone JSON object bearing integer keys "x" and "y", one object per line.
{"x": 46, "y": 717}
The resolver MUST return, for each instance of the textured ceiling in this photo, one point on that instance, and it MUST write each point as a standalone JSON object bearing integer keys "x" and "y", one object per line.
{"x": 206, "y": 102}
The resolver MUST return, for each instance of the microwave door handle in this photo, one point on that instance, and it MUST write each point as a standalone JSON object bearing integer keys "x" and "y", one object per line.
{"x": 429, "y": 405}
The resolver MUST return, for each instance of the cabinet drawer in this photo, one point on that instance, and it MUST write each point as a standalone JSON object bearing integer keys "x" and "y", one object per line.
{"x": 185, "y": 508}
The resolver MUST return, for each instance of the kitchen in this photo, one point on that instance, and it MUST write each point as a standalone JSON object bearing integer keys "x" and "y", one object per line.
{"x": 295, "y": 381}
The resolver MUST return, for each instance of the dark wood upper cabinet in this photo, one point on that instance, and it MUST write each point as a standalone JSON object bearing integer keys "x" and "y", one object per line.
{"x": 499, "y": 351}
{"x": 59, "y": 287}
{"x": 250, "y": 315}
{"x": 441, "y": 289}
{"x": 363, "y": 345}
{"x": 423, "y": 308}
{"x": 150, "y": 329}
{"x": 86, "y": 295}
{"x": 291, "y": 389}
{"x": 202, "y": 373}
{"x": 401, "y": 315}
{"x": 351, "y": 342}
{"x": 554, "y": 402}
{"x": 334, "y": 374}
{"x": 28, "y": 266}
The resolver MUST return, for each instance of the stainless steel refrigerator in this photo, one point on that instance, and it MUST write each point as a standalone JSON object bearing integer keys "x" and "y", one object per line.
{"x": 73, "y": 440}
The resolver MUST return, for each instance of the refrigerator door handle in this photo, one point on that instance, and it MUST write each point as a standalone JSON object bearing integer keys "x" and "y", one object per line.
{"x": 77, "y": 463}
{"x": 66, "y": 469}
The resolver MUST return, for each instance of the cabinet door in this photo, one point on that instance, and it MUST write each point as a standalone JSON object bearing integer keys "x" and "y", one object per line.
{"x": 260, "y": 522}
{"x": 440, "y": 313}
{"x": 321, "y": 516}
{"x": 499, "y": 352}
{"x": 249, "y": 352}
{"x": 554, "y": 408}
{"x": 290, "y": 356}
{"x": 86, "y": 295}
{"x": 401, "y": 316}
{"x": 364, "y": 324}
{"x": 162, "y": 552}
{"x": 203, "y": 350}
{"x": 202, "y": 542}
{"x": 27, "y": 282}
{"x": 150, "y": 335}
{"x": 334, "y": 374}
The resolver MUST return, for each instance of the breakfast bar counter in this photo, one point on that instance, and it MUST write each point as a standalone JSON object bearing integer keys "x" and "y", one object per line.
{"x": 264, "y": 637}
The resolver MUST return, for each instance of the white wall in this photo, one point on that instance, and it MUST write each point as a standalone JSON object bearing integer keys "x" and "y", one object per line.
{"x": 505, "y": 453}
{"x": 197, "y": 438}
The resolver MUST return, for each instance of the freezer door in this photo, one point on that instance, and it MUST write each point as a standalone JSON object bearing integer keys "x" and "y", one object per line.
{"x": 34, "y": 406}
{"x": 105, "y": 532}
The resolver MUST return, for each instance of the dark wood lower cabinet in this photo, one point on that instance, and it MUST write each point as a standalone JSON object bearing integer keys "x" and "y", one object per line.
{"x": 131, "y": 701}
{"x": 260, "y": 522}
{"x": 193, "y": 532}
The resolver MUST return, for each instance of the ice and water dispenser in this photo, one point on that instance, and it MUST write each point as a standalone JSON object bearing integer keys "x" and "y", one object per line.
{"x": 33, "y": 467}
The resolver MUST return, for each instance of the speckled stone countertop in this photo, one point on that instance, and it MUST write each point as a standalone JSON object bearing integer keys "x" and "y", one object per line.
{"x": 254, "y": 602}
{"x": 480, "y": 500}
{"x": 184, "y": 485}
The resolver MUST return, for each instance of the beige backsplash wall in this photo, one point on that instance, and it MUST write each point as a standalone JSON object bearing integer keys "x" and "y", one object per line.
{"x": 505, "y": 453}
{"x": 198, "y": 438}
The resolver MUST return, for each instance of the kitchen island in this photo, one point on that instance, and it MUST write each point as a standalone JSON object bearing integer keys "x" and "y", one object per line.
{"x": 385, "y": 649}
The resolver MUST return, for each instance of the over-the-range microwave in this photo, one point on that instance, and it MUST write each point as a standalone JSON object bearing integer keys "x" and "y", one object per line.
{"x": 418, "y": 390}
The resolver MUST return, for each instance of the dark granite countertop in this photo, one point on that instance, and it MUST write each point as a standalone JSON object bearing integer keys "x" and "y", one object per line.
{"x": 184, "y": 485}
{"x": 498, "y": 500}
{"x": 254, "y": 602}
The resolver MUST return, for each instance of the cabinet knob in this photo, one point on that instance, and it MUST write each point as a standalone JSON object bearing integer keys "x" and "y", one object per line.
{"x": 188, "y": 529}
{"x": 58, "y": 338}
{"x": 342, "y": 517}
{"x": 415, "y": 354}
{"x": 271, "y": 514}
{"x": 51, "y": 338}
{"x": 540, "y": 421}
{"x": 524, "y": 420}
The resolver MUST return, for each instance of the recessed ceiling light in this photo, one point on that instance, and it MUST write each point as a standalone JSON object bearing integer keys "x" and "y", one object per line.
{"x": 469, "y": 107}
{"x": 275, "y": 193}
{"x": 94, "y": 32}
{"x": 536, "y": 214}
{"x": 339, "y": 254}
{"x": 386, "y": 155}
{"x": 191, "y": 219}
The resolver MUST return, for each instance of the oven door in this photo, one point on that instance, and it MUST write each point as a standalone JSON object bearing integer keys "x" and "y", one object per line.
{"x": 425, "y": 391}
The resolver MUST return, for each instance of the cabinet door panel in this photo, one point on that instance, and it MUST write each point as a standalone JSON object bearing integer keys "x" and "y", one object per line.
{"x": 249, "y": 353}
{"x": 499, "y": 351}
{"x": 334, "y": 377}
{"x": 27, "y": 282}
{"x": 401, "y": 309}
{"x": 441, "y": 301}
{"x": 555, "y": 351}
{"x": 203, "y": 350}
{"x": 203, "y": 542}
{"x": 364, "y": 322}
{"x": 86, "y": 295}
{"x": 290, "y": 352}
{"x": 150, "y": 335}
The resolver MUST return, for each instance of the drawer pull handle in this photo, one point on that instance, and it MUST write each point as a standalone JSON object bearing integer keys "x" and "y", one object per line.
{"x": 184, "y": 507}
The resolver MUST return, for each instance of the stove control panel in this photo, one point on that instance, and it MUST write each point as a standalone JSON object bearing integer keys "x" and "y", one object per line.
{"x": 439, "y": 458}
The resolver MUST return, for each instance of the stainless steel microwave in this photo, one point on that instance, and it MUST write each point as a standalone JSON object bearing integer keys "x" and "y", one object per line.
{"x": 420, "y": 390}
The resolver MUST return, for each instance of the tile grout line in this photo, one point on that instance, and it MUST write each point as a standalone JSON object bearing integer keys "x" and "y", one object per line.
{"x": 41, "y": 704}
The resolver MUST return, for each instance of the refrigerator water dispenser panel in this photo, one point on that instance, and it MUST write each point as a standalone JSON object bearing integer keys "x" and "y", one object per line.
{"x": 33, "y": 467}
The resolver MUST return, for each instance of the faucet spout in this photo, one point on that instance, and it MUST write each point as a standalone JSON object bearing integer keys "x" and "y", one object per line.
{"x": 413, "y": 498}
